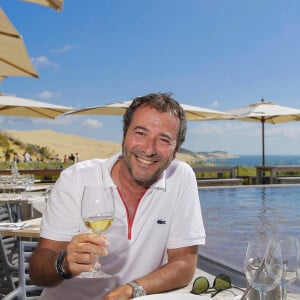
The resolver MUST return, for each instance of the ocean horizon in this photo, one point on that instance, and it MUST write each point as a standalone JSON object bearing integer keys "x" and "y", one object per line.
{"x": 256, "y": 160}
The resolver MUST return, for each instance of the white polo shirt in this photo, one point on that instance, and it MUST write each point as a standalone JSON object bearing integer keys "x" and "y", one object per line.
{"x": 168, "y": 216}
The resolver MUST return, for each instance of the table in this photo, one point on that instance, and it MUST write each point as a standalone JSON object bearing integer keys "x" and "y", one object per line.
{"x": 40, "y": 187}
{"x": 27, "y": 204}
{"x": 36, "y": 187}
{"x": 272, "y": 170}
{"x": 33, "y": 231}
{"x": 36, "y": 172}
{"x": 229, "y": 294}
{"x": 26, "y": 201}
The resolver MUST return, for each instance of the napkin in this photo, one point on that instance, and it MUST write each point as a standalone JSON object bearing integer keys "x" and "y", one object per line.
{"x": 13, "y": 226}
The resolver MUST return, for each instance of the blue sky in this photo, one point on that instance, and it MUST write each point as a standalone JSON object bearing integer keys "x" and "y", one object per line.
{"x": 215, "y": 54}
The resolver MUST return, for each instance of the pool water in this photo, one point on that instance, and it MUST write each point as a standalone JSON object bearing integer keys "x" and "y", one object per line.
{"x": 233, "y": 216}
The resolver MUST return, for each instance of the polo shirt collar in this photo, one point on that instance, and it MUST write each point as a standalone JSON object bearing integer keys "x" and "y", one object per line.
{"x": 107, "y": 167}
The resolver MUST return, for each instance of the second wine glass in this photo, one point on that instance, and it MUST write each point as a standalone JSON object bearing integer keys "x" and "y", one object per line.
{"x": 289, "y": 248}
{"x": 263, "y": 265}
{"x": 97, "y": 212}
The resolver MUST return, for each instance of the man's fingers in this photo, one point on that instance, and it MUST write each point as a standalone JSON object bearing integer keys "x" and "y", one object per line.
{"x": 91, "y": 238}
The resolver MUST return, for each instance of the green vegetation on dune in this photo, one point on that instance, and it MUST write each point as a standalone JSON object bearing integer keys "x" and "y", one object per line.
{"x": 42, "y": 157}
{"x": 11, "y": 145}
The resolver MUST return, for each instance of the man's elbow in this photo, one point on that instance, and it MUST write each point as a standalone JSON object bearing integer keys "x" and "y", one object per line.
{"x": 186, "y": 272}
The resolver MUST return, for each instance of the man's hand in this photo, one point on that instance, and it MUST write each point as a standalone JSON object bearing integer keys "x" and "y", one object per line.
{"x": 123, "y": 292}
{"x": 81, "y": 252}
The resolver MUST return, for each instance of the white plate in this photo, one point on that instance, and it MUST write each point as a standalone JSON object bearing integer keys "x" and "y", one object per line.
{"x": 173, "y": 296}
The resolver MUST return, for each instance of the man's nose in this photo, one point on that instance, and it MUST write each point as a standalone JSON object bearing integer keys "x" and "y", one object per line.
{"x": 149, "y": 146}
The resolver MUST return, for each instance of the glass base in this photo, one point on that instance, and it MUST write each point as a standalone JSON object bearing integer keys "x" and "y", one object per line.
{"x": 94, "y": 274}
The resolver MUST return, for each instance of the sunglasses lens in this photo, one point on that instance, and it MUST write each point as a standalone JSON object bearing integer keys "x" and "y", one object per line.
{"x": 222, "y": 282}
{"x": 200, "y": 285}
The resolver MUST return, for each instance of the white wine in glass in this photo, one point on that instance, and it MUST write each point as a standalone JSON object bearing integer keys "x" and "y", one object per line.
{"x": 98, "y": 224}
{"x": 97, "y": 212}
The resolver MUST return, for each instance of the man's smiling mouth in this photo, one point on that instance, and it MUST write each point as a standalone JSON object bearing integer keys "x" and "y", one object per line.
{"x": 144, "y": 161}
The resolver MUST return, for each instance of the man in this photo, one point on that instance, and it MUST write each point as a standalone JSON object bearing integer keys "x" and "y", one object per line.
{"x": 151, "y": 246}
{"x": 27, "y": 156}
{"x": 72, "y": 158}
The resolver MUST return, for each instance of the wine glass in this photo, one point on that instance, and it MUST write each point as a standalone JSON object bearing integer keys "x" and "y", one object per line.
{"x": 263, "y": 265}
{"x": 97, "y": 212}
{"x": 289, "y": 248}
{"x": 29, "y": 181}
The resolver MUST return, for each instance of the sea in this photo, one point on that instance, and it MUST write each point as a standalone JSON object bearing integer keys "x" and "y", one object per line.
{"x": 256, "y": 160}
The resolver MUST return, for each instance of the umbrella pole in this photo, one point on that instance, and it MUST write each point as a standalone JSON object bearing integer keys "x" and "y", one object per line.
{"x": 263, "y": 140}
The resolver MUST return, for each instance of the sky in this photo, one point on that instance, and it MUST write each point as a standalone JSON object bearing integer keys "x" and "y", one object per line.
{"x": 215, "y": 54}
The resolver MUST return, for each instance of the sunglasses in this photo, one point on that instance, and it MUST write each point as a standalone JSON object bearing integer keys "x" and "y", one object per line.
{"x": 222, "y": 282}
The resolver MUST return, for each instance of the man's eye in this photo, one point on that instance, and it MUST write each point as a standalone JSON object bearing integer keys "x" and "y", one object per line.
{"x": 165, "y": 141}
{"x": 139, "y": 133}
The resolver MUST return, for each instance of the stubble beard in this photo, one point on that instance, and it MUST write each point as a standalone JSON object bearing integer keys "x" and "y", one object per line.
{"x": 140, "y": 180}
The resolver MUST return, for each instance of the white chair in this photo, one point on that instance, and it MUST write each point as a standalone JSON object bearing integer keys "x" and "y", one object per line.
{"x": 8, "y": 265}
{"x": 8, "y": 256}
{"x": 5, "y": 213}
{"x": 25, "y": 290}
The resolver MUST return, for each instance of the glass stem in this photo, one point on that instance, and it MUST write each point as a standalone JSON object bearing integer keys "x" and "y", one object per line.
{"x": 283, "y": 292}
{"x": 96, "y": 263}
{"x": 97, "y": 260}
{"x": 262, "y": 295}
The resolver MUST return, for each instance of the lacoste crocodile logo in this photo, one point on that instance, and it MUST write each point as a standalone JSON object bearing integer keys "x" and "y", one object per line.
{"x": 160, "y": 221}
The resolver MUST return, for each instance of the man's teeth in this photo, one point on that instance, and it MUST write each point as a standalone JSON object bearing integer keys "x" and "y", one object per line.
{"x": 145, "y": 161}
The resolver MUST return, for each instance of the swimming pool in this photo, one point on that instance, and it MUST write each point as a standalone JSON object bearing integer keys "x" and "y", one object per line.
{"x": 233, "y": 216}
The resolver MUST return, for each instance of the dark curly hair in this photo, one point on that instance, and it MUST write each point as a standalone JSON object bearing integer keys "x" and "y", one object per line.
{"x": 162, "y": 102}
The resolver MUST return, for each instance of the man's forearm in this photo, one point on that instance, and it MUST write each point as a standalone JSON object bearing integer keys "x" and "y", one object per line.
{"x": 43, "y": 271}
{"x": 171, "y": 276}
{"x": 177, "y": 273}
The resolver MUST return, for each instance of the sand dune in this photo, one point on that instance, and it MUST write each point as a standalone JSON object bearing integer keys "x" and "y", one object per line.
{"x": 62, "y": 144}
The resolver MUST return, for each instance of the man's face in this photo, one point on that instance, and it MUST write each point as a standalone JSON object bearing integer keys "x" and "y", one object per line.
{"x": 149, "y": 144}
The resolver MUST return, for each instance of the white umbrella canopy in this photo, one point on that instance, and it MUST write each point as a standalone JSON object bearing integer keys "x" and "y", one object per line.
{"x": 21, "y": 107}
{"x": 14, "y": 59}
{"x": 193, "y": 113}
{"x": 196, "y": 113}
{"x": 265, "y": 112}
{"x": 116, "y": 108}
{"x": 55, "y": 4}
